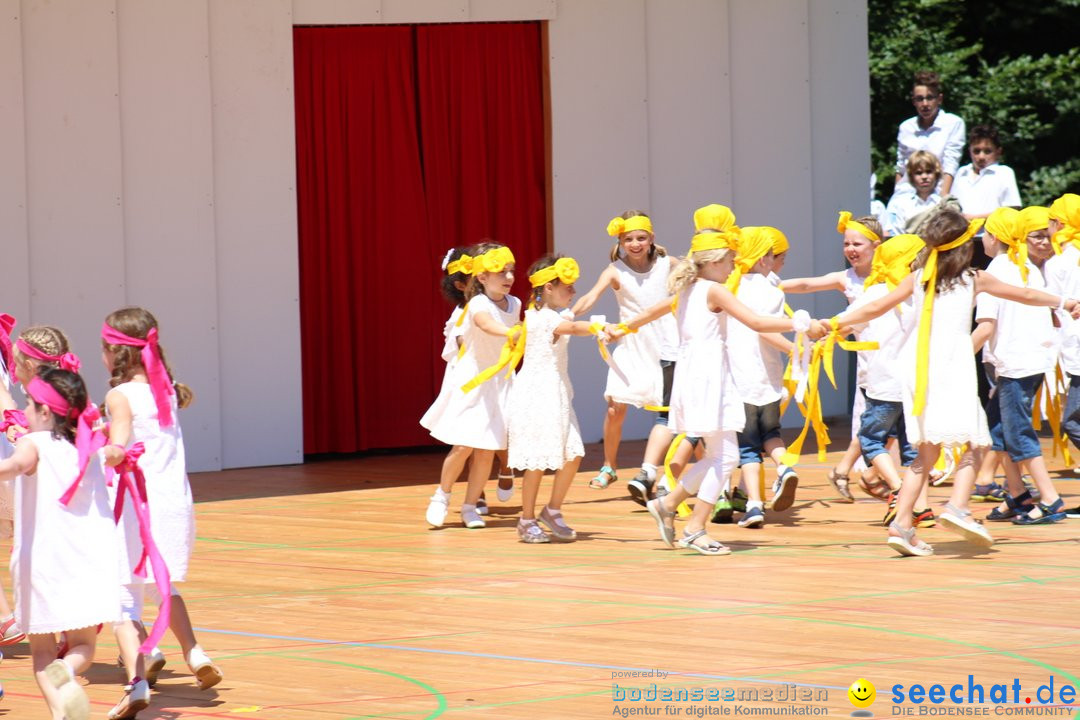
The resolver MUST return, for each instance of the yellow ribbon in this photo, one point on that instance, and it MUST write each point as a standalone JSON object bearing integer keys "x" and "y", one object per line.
{"x": 845, "y": 223}
{"x": 812, "y": 412}
{"x": 1053, "y": 413}
{"x": 780, "y": 241}
{"x": 620, "y": 226}
{"x": 669, "y": 477}
{"x": 510, "y": 355}
{"x": 714, "y": 217}
{"x": 494, "y": 260}
{"x": 753, "y": 244}
{"x": 462, "y": 265}
{"x": 929, "y": 278}
{"x": 565, "y": 270}
{"x": 713, "y": 240}
{"x": 892, "y": 260}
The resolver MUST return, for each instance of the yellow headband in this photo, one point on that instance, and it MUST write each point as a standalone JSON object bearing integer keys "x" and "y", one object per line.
{"x": 713, "y": 241}
{"x": 754, "y": 243}
{"x": 565, "y": 269}
{"x": 619, "y": 226}
{"x": 780, "y": 241}
{"x": 462, "y": 265}
{"x": 845, "y": 223}
{"x": 1069, "y": 216}
{"x": 929, "y": 278}
{"x": 714, "y": 217}
{"x": 892, "y": 260}
{"x": 1002, "y": 224}
{"x": 494, "y": 260}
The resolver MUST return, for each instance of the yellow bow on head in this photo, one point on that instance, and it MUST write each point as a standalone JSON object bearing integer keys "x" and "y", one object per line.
{"x": 494, "y": 260}
{"x": 1002, "y": 224}
{"x": 892, "y": 260}
{"x": 753, "y": 244}
{"x": 714, "y": 217}
{"x": 462, "y": 265}
{"x": 1066, "y": 210}
{"x": 619, "y": 226}
{"x": 929, "y": 278}
{"x": 565, "y": 270}
{"x": 845, "y": 223}
{"x": 780, "y": 241}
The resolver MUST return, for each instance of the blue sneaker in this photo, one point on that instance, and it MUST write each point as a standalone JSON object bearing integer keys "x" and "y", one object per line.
{"x": 754, "y": 517}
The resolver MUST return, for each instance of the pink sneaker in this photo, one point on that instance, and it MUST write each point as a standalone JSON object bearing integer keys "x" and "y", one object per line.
{"x": 10, "y": 632}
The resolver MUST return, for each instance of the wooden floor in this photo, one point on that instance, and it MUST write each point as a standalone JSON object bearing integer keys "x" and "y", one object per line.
{"x": 323, "y": 595}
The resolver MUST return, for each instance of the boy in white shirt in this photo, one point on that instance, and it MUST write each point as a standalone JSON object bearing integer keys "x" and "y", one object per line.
{"x": 932, "y": 129}
{"x": 1023, "y": 342}
{"x": 985, "y": 184}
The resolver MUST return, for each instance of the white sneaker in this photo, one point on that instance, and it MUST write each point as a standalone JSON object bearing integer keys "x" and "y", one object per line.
{"x": 962, "y": 523}
{"x": 505, "y": 493}
{"x": 437, "y": 509}
{"x": 155, "y": 661}
{"x": 73, "y": 700}
{"x": 136, "y": 698}
{"x": 471, "y": 518}
{"x": 206, "y": 673}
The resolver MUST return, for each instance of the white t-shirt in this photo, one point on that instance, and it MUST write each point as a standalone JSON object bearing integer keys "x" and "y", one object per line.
{"x": 1063, "y": 278}
{"x": 903, "y": 206}
{"x": 944, "y": 139}
{"x": 1024, "y": 342}
{"x": 982, "y": 193}
{"x": 756, "y": 366}
{"x": 882, "y": 378}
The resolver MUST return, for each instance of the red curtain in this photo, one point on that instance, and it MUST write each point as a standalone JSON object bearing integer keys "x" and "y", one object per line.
{"x": 410, "y": 140}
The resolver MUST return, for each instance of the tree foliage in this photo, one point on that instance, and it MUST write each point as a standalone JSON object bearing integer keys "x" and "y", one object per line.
{"x": 1011, "y": 63}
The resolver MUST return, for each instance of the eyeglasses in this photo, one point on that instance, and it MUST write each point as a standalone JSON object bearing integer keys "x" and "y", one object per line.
{"x": 923, "y": 98}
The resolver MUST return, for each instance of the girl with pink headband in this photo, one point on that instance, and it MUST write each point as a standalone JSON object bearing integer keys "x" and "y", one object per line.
{"x": 142, "y": 408}
{"x": 64, "y": 556}
{"x": 14, "y": 424}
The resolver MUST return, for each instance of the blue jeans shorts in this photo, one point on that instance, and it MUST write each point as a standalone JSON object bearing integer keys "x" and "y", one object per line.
{"x": 762, "y": 423}
{"x": 1009, "y": 415}
{"x": 880, "y": 420}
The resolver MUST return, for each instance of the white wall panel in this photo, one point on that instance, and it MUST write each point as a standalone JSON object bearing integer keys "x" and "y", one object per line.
{"x": 251, "y": 75}
{"x": 73, "y": 171}
{"x": 421, "y": 11}
{"x": 168, "y": 207}
{"x": 15, "y": 291}
{"x": 511, "y": 9}
{"x": 337, "y": 12}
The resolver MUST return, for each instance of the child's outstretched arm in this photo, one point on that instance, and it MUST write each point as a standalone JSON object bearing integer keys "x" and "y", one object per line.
{"x": 6, "y": 401}
{"x": 643, "y": 318}
{"x": 491, "y": 326}
{"x": 879, "y": 307}
{"x": 574, "y": 327}
{"x": 119, "y": 427}
{"x": 778, "y": 341}
{"x": 585, "y": 302}
{"x": 987, "y": 283}
{"x": 22, "y": 462}
{"x": 830, "y": 281}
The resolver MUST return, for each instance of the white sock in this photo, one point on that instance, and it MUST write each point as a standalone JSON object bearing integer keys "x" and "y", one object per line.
{"x": 751, "y": 504}
{"x": 465, "y": 506}
{"x": 440, "y": 493}
{"x": 650, "y": 470}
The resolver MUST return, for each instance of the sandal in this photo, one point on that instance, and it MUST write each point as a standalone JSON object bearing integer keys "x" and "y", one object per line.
{"x": 988, "y": 492}
{"x": 604, "y": 478}
{"x": 662, "y": 516}
{"x": 905, "y": 543}
{"x": 963, "y": 523}
{"x": 875, "y": 486}
{"x": 840, "y": 483}
{"x": 710, "y": 547}
{"x": 1014, "y": 506}
{"x": 1055, "y": 512}
{"x": 890, "y": 512}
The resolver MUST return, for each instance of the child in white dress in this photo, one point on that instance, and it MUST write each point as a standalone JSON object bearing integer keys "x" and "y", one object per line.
{"x": 704, "y": 401}
{"x": 543, "y": 428}
{"x": 638, "y": 276}
{"x": 64, "y": 556}
{"x": 469, "y": 412}
{"x": 941, "y": 401}
{"x": 142, "y": 408}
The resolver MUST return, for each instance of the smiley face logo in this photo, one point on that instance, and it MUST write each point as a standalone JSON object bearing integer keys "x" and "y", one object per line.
{"x": 862, "y": 693}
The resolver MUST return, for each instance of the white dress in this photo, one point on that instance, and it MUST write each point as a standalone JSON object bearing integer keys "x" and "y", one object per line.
{"x": 543, "y": 428}
{"x": 638, "y": 355}
{"x": 952, "y": 414}
{"x": 7, "y": 487}
{"x": 172, "y": 513}
{"x": 476, "y": 419}
{"x": 63, "y": 559}
{"x": 703, "y": 395}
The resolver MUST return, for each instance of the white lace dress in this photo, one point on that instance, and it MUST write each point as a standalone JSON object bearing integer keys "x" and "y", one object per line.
{"x": 7, "y": 487}
{"x": 543, "y": 429}
{"x": 952, "y": 415}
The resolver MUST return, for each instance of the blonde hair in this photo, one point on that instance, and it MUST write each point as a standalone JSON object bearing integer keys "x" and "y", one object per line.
{"x": 656, "y": 250}
{"x": 47, "y": 339}
{"x": 689, "y": 267}
{"x": 923, "y": 161}
{"x": 872, "y": 224}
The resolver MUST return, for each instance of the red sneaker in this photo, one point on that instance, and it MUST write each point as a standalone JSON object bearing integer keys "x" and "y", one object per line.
{"x": 10, "y": 632}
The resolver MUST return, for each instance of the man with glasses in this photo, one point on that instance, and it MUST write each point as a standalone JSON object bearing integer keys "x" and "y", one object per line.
{"x": 932, "y": 129}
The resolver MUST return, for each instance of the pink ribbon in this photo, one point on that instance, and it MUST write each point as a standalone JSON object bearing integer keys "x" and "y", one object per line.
{"x": 13, "y": 418}
{"x": 87, "y": 440}
{"x": 7, "y": 324}
{"x": 133, "y": 482}
{"x": 67, "y": 361}
{"x": 160, "y": 383}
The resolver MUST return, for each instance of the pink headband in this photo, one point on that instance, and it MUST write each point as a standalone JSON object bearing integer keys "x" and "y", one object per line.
{"x": 160, "y": 385}
{"x": 7, "y": 324}
{"x": 87, "y": 440}
{"x": 67, "y": 361}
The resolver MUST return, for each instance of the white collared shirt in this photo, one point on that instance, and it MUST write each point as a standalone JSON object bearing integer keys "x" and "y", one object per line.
{"x": 903, "y": 206}
{"x": 982, "y": 193}
{"x": 944, "y": 138}
{"x": 1024, "y": 341}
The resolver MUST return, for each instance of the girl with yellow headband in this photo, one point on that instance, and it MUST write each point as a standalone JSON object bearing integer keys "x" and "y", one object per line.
{"x": 1022, "y": 346}
{"x": 704, "y": 401}
{"x": 941, "y": 402}
{"x": 861, "y": 237}
{"x": 637, "y": 276}
{"x": 474, "y": 422}
{"x": 542, "y": 426}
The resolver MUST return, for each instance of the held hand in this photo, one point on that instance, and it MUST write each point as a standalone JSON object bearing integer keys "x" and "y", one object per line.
{"x": 513, "y": 333}
{"x": 818, "y": 329}
{"x": 14, "y": 432}
{"x": 1073, "y": 308}
{"x": 612, "y": 333}
{"x": 113, "y": 454}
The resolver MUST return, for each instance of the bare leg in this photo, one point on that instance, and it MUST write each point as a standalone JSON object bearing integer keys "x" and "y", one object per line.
{"x": 964, "y": 482}
{"x": 613, "y": 422}
{"x": 530, "y": 488}
{"x": 853, "y": 452}
{"x": 657, "y": 446}
{"x": 128, "y": 639}
{"x": 452, "y": 467}
{"x": 564, "y": 477}
{"x": 913, "y": 485}
{"x": 478, "y": 474}
{"x": 751, "y": 473}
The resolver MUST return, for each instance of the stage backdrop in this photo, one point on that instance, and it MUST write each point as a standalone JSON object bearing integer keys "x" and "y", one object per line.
{"x": 410, "y": 140}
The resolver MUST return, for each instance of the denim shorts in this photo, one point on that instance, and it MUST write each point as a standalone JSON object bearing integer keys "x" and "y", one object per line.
{"x": 762, "y": 423}
{"x": 880, "y": 420}
{"x": 667, "y": 367}
{"x": 1009, "y": 416}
